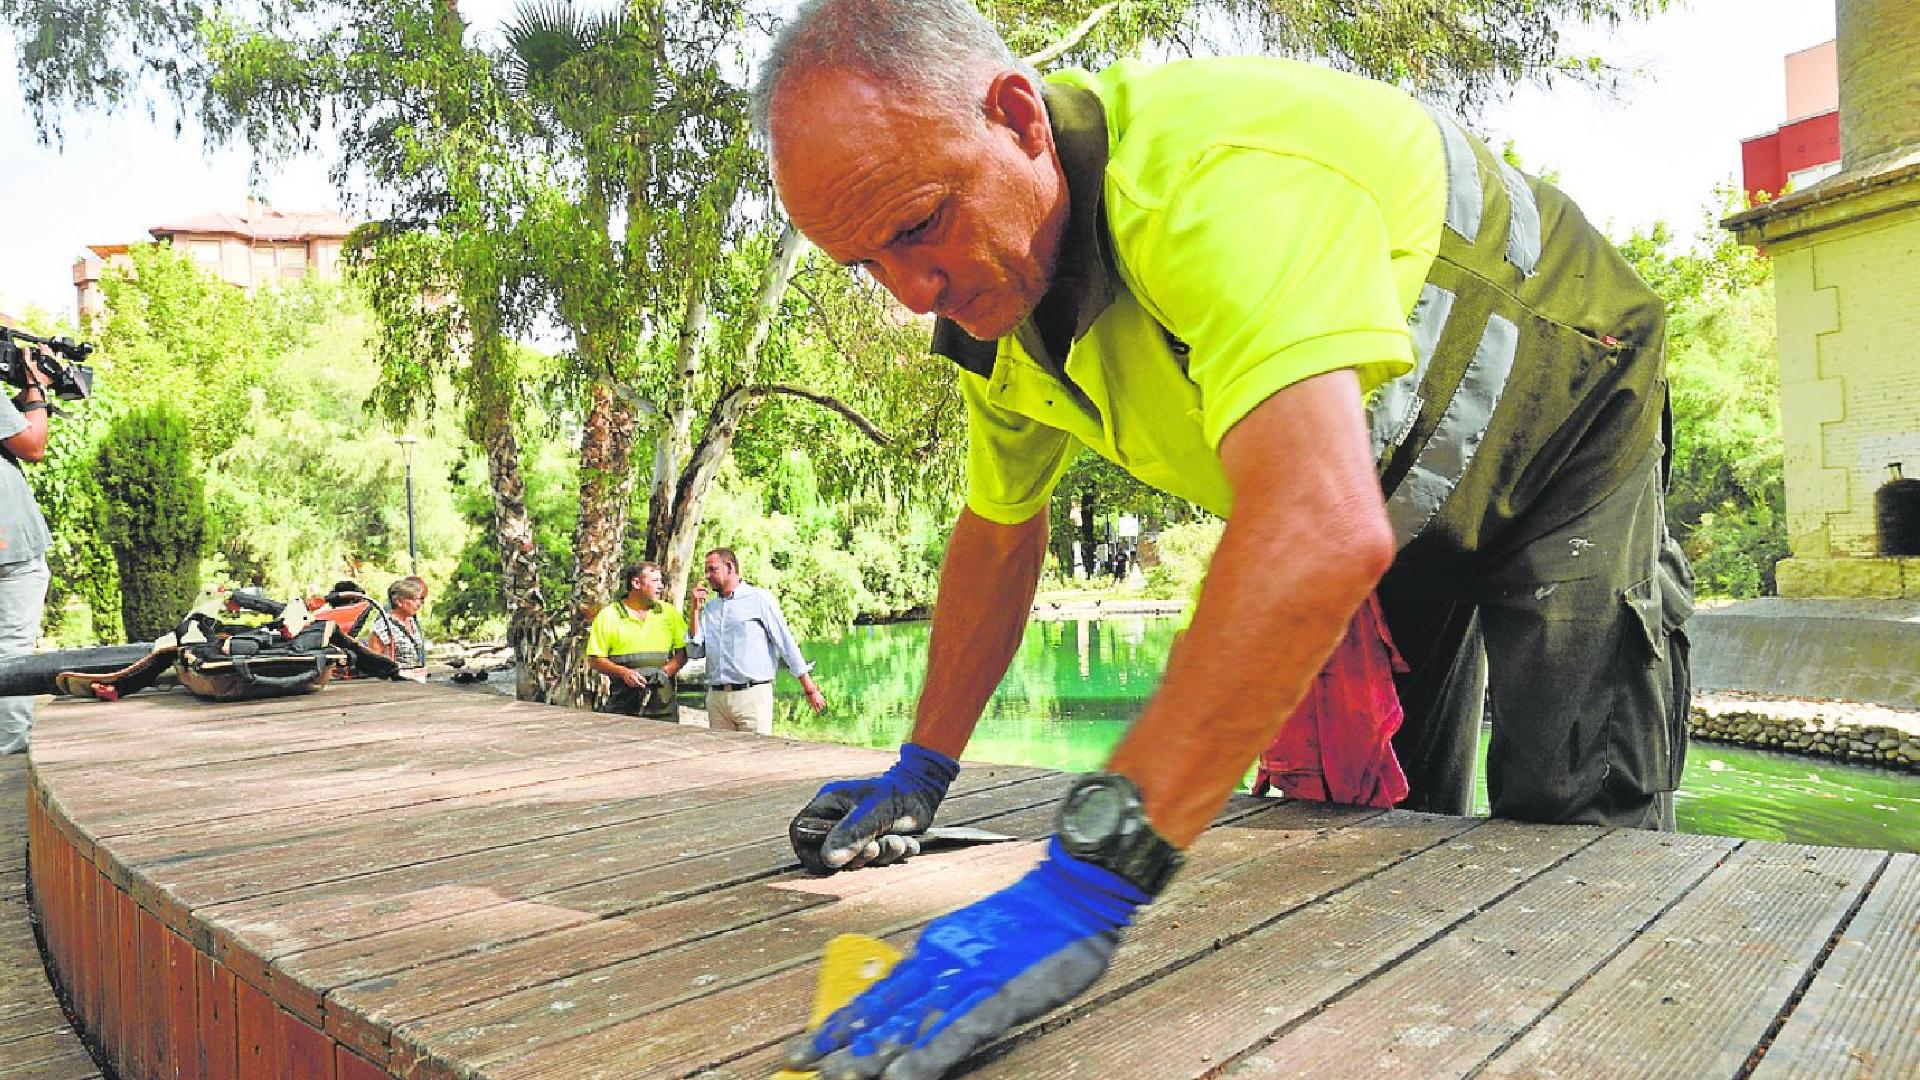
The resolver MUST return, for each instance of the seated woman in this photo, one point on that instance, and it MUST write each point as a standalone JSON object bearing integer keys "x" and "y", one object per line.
{"x": 397, "y": 633}
{"x": 639, "y": 643}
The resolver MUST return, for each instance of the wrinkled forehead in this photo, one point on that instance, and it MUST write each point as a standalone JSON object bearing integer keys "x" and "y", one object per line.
{"x": 835, "y": 129}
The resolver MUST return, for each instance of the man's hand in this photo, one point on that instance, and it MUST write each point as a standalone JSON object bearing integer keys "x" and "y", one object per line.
{"x": 699, "y": 597}
{"x": 872, "y": 822}
{"x": 976, "y": 973}
{"x": 631, "y": 677}
{"x": 816, "y": 700}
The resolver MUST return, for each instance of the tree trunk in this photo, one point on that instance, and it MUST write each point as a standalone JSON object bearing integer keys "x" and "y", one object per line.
{"x": 530, "y": 629}
{"x": 675, "y": 444}
{"x": 606, "y": 485}
{"x": 674, "y": 519}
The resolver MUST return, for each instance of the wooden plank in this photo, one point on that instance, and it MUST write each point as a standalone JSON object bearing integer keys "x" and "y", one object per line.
{"x": 77, "y": 965}
{"x": 362, "y": 1014}
{"x": 208, "y": 793}
{"x": 305, "y": 1053}
{"x": 1695, "y": 995}
{"x": 215, "y": 1001}
{"x": 74, "y": 1064}
{"x": 183, "y": 1014}
{"x": 1314, "y": 922}
{"x": 129, "y": 1053}
{"x": 155, "y": 995}
{"x": 348, "y": 1065}
{"x": 136, "y": 804}
{"x": 543, "y": 911}
{"x": 577, "y": 791}
{"x": 106, "y": 938}
{"x": 664, "y": 1006}
{"x": 20, "y": 1020}
{"x": 356, "y": 848}
{"x": 1860, "y": 1018}
{"x": 1520, "y": 956}
{"x": 278, "y": 924}
{"x": 39, "y": 1052}
{"x": 259, "y": 1036}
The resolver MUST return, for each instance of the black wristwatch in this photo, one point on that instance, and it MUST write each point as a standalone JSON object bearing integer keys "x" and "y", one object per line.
{"x": 1102, "y": 821}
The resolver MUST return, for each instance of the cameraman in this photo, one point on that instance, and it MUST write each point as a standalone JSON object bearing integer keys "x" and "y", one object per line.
{"x": 23, "y": 543}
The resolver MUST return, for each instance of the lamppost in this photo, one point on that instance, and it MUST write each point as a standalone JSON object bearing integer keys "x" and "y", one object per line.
{"x": 406, "y": 452}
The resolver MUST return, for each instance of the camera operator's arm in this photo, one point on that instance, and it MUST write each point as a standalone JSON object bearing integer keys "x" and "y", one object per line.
{"x": 30, "y": 443}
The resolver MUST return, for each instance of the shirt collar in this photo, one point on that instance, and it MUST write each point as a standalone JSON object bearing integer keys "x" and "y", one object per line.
{"x": 1086, "y": 275}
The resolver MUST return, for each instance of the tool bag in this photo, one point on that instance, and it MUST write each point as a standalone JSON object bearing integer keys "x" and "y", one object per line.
{"x": 231, "y": 662}
{"x": 257, "y": 663}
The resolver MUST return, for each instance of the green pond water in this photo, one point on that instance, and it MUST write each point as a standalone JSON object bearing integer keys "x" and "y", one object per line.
{"x": 1076, "y": 685}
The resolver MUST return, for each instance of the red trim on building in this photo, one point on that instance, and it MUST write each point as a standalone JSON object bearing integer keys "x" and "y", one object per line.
{"x": 1767, "y": 161}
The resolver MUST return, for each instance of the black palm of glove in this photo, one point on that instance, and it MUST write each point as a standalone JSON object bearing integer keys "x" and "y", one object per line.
{"x": 873, "y": 822}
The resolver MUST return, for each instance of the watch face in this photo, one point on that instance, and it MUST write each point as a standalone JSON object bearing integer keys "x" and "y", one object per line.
{"x": 1095, "y": 813}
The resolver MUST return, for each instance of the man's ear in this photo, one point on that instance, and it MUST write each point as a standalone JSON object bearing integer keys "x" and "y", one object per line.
{"x": 1014, "y": 102}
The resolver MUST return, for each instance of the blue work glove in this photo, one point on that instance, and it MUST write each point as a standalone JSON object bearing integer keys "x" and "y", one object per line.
{"x": 872, "y": 822}
{"x": 977, "y": 972}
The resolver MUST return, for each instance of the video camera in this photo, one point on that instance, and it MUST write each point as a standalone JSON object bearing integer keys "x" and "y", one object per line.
{"x": 67, "y": 376}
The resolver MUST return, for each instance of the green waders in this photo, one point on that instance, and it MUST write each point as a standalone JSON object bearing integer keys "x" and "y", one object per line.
{"x": 1524, "y": 462}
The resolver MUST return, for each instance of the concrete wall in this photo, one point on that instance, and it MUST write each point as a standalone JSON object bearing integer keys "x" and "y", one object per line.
{"x": 1867, "y": 651}
{"x": 1849, "y": 325}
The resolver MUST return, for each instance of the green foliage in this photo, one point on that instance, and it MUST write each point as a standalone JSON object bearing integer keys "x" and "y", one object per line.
{"x": 175, "y": 333}
{"x": 1184, "y": 552}
{"x": 1727, "y": 501}
{"x": 155, "y": 517}
{"x": 473, "y": 603}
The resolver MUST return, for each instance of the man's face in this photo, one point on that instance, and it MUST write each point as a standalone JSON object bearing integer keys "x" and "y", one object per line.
{"x": 957, "y": 217}
{"x": 647, "y": 583}
{"x": 720, "y": 576}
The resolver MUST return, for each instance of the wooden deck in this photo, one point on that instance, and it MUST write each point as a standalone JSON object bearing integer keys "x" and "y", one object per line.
{"x": 387, "y": 879}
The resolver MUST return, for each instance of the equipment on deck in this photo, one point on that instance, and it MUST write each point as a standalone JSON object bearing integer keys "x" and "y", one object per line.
{"x": 291, "y": 654}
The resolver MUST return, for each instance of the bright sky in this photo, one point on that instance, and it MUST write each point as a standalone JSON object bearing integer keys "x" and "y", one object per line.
{"x": 1707, "y": 74}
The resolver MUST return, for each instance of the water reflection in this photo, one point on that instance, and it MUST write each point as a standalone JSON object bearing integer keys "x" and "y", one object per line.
{"x": 1075, "y": 685}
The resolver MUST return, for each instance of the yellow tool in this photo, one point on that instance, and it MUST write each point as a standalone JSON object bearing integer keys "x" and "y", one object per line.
{"x": 851, "y": 963}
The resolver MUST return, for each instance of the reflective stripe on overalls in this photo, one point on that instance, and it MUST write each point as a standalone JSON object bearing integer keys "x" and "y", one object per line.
{"x": 1460, "y": 426}
{"x": 1500, "y": 298}
{"x": 1522, "y": 466}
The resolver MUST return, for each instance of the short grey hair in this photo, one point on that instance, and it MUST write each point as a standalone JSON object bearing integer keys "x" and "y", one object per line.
{"x": 935, "y": 52}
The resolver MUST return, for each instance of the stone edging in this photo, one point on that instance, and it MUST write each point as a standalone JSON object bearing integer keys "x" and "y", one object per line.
{"x": 1845, "y": 731}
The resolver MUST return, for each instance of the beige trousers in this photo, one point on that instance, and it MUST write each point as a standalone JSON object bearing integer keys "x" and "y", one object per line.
{"x": 741, "y": 710}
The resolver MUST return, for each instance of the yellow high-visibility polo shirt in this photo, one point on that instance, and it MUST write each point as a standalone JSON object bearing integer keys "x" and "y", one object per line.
{"x": 619, "y": 631}
{"x": 1236, "y": 226}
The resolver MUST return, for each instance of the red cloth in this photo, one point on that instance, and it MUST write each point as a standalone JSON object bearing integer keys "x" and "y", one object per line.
{"x": 1338, "y": 744}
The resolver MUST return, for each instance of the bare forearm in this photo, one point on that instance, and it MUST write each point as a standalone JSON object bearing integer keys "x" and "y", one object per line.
{"x": 1308, "y": 541}
{"x": 986, "y": 593}
{"x": 1258, "y": 638}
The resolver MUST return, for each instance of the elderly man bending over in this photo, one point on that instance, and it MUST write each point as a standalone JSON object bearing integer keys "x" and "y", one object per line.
{"x": 1320, "y": 310}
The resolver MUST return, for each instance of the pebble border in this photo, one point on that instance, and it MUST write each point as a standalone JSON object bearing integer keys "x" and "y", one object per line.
{"x": 1804, "y": 728}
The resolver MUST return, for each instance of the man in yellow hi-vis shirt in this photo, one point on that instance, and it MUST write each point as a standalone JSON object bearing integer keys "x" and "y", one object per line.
{"x": 1308, "y": 303}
